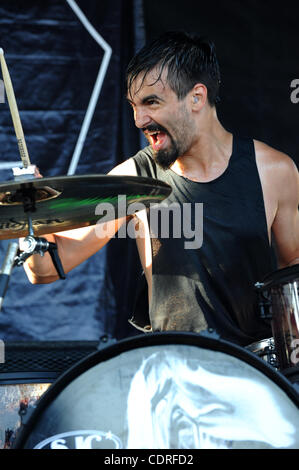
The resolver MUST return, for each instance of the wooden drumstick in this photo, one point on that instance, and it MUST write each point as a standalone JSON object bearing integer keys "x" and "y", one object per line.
{"x": 14, "y": 112}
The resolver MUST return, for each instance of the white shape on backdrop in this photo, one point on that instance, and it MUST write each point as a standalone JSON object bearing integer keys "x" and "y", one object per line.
{"x": 94, "y": 96}
{"x": 97, "y": 87}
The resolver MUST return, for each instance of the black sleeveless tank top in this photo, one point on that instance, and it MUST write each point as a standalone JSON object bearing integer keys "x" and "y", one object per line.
{"x": 210, "y": 284}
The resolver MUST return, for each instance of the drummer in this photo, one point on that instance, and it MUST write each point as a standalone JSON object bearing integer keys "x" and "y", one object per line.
{"x": 248, "y": 193}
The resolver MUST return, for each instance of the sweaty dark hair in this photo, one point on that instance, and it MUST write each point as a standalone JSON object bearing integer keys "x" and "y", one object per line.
{"x": 188, "y": 59}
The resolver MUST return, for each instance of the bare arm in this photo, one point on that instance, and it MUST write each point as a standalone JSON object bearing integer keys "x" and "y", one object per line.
{"x": 75, "y": 246}
{"x": 286, "y": 222}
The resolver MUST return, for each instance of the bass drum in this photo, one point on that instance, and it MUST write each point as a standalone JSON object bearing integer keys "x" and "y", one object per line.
{"x": 167, "y": 391}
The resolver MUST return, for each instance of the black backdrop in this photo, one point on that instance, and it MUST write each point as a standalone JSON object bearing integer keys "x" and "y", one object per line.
{"x": 257, "y": 47}
{"x": 54, "y": 62}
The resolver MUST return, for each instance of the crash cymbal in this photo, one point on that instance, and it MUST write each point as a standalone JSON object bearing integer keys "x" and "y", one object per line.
{"x": 67, "y": 202}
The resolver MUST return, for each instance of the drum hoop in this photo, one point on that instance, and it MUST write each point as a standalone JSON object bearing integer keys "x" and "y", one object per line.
{"x": 258, "y": 345}
{"x": 208, "y": 341}
{"x": 280, "y": 277}
{"x": 14, "y": 378}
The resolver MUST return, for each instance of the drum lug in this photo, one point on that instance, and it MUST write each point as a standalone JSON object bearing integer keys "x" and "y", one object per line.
{"x": 105, "y": 341}
{"x": 264, "y": 304}
{"x": 210, "y": 333}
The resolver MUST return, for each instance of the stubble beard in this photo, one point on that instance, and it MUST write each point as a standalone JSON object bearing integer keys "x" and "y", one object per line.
{"x": 166, "y": 157}
{"x": 179, "y": 145}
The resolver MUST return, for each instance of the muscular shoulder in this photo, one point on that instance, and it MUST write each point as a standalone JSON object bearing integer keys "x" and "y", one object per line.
{"x": 131, "y": 166}
{"x": 126, "y": 168}
{"x": 277, "y": 168}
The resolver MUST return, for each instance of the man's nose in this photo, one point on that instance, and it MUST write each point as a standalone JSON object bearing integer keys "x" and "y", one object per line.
{"x": 142, "y": 118}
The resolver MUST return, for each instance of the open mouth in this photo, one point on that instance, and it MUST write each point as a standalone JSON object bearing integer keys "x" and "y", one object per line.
{"x": 157, "y": 139}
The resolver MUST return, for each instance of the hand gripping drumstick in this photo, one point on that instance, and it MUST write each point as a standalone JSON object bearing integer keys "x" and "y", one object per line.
{"x": 14, "y": 112}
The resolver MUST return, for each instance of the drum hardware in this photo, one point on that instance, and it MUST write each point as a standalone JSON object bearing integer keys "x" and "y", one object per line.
{"x": 279, "y": 302}
{"x": 272, "y": 355}
{"x": 105, "y": 340}
{"x": 264, "y": 303}
{"x": 265, "y": 349}
{"x": 25, "y": 173}
{"x": 210, "y": 333}
{"x": 31, "y": 245}
{"x": 6, "y": 269}
{"x": 35, "y": 245}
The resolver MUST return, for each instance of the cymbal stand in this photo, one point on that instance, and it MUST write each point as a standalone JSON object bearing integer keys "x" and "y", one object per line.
{"x": 31, "y": 245}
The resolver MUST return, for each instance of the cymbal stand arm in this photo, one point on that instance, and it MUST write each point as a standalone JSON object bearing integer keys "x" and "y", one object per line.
{"x": 30, "y": 225}
{"x": 32, "y": 245}
{"x": 264, "y": 302}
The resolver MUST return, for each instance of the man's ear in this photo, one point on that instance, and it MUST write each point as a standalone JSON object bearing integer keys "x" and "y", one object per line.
{"x": 199, "y": 95}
